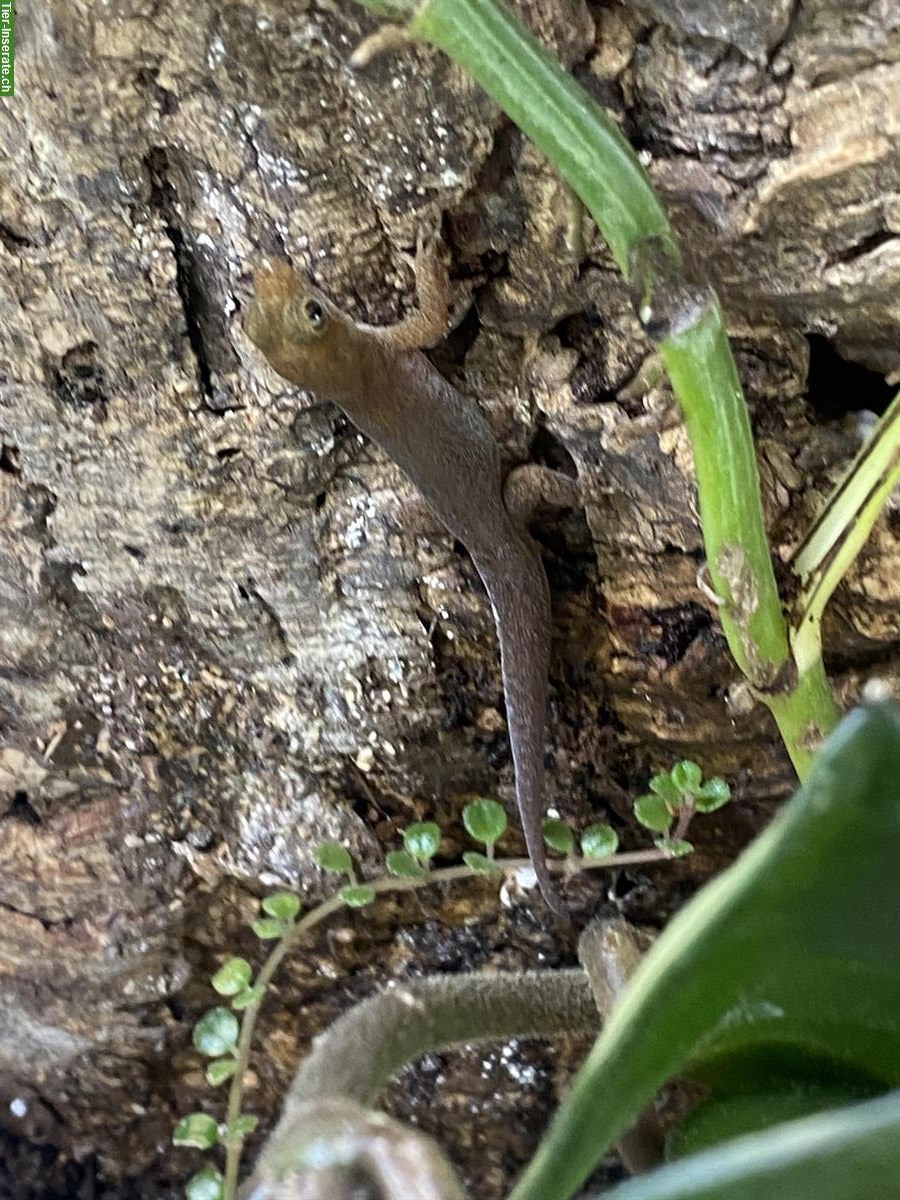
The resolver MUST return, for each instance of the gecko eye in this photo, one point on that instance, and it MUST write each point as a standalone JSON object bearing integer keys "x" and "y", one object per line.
{"x": 314, "y": 314}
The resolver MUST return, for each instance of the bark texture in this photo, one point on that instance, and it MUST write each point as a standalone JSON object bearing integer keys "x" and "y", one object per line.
{"x": 230, "y": 629}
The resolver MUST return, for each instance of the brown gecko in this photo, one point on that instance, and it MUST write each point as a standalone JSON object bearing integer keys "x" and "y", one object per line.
{"x": 392, "y": 393}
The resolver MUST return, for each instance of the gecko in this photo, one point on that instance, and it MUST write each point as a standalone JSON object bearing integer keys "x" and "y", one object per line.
{"x": 379, "y": 377}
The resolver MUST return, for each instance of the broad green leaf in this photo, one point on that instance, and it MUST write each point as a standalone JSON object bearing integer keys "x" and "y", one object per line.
{"x": 402, "y": 864}
{"x": 357, "y": 895}
{"x": 847, "y": 1154}
{"x": 216, "y": 1032}
{"x": 422, "y": 840}
{"x": 721, "y": 1120}
{"x": 232, "y": 977}
{"x": 332, "y": 856}
{"x": 283, "y": 905}
{"x": 197, "y": 1130}
{"x": 787, "y": 961}
{"x": 485, "y": 821}
{"x": 558, "y": 835}
{"x": 599, "y": 841}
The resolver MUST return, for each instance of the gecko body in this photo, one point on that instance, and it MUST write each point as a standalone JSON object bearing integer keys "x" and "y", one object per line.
{"x": 393, "y": 394}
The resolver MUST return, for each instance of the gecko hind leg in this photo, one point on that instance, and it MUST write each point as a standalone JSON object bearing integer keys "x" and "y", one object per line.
{"x": 529, "y": 488}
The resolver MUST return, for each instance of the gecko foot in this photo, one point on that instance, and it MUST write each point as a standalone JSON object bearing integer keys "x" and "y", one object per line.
{"x": 383, "y": 41}
{"x": 530, "y": 487}
{"x": 428, "y": 323}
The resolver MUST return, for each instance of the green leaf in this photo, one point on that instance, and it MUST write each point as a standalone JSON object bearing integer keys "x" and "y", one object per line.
{"x": 239, "y": 1129}
{"x": 267, "y": 929}
{"x": 558, "y": 835}
{"x": 686, "y": 777}
{"x": 232, "y": 977}
{"x": 785, "y": 966}
{"x": 283, "y": 905}
{"x": 216, "y": 1032}
{"x": 847, "y": 1154}
{"x": 721, "y": 1120}
{"x": 677, "y": 847}
{"x": 485, "y": 821}
{"x": 247, "y": 997}
{"x": 332, "y": 856}
{"x": 422, "y": 840}
{"x": 220, "y": 1070}
{"x": 197, "y": 1130}
{"x": 653, "y": 813}
{"x": 663, "y": 785}
{"x": 357, "y": 896}
{"x": 402, "y": 864}
{"x": 599, "y": 841}
{"x": 714, "y": 794}
{"x": 205, "y": 1185}
{"x": 480, "y": 863}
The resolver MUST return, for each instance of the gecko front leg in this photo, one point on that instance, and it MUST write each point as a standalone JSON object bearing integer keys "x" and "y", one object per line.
{"x": 427, "y": 323}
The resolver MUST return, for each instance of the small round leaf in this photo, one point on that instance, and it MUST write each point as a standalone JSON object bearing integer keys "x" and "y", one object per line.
{"x": 247, "y": 997}
{"x": 205, "y": 1185}
{"x": 232, "y": 977}
{"x": 422, "y": 840}
{"x": 485, "y": 821}
{"x": 480, "y": 863}
{"x": 268, "y": 929}
{"x": 332, "y": 856}
{"x": 558, "y": 835}
{"x": 220, "y": 1070}
{"x": 216, "y": 1032}
{"x": 677, "y": 847}
{"x": 198, "y": 1130}
{"x": 238, "y": 1129}
{"x": 357, "y": 896}
{"x": 713, "y": 794}
{"x": 663, "y": 785}
{"x": 653, "y": 813}
{"x": 686, "y": 777}
{"x": 599, "y": 841}
{"x": 402, "y": 864}
{"x": 283, "y": 905}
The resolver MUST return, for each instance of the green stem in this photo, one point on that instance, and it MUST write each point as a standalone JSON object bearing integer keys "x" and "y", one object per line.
{"x": 841, "y": 530}
{"x": 704, "y": 377}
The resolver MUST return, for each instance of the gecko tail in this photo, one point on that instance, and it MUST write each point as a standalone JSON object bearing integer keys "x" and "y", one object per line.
{"x": 520, "y": 597}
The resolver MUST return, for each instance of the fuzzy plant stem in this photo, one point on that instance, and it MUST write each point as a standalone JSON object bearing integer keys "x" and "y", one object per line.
{"x": 363, "y": 1049}
{"x": 590, "y": 152}
{"x": 366, "y": 1047}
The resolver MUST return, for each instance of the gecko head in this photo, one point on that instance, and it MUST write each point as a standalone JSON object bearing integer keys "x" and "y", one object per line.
{"x": 292, "y": 323}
